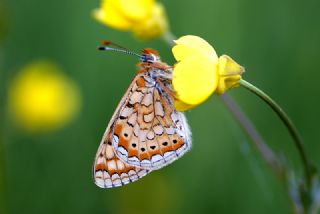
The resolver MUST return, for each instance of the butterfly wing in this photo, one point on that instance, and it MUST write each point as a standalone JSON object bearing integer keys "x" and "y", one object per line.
{"x": 108, "y": 170}
{"x": 150, "y": 133}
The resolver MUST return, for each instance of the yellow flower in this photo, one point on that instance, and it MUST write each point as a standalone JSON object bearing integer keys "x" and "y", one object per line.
{"x": 200, "y": 72}
{"x": 145, "y": 18}
{"x": 41, "y": 98}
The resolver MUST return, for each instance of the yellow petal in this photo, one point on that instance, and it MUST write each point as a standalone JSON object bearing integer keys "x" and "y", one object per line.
{"x": 193, "y": 45}
{"x": 195, "y": 79}
{"x": 229, "y": 72}
{"x": 136, "y": 9}
{"x": 227, "y": 66}
{"x": 110, "y": 14}
{"x": 153, "y": 26}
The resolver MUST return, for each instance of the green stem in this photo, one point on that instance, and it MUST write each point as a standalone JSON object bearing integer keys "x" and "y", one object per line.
{"x": 244, "y": 122}
{"x": 168, "y": 37}
{"x": 287, "y": 122}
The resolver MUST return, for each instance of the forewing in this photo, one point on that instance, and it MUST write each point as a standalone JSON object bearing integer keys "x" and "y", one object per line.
{"x": 150, "y": 133}
{"x": 108, "y": 170}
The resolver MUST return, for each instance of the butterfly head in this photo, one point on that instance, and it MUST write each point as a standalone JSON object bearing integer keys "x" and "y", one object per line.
{"x": 149, "y": 56}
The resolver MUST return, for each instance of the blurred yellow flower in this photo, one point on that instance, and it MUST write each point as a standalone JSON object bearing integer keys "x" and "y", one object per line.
{"x": 145, "y": 18}
{"x": 199, "y": 72}
{"x": 41, "y": 98}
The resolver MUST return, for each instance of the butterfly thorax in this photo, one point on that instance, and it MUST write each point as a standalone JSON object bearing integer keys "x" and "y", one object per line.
{"x": 152, "y": 65}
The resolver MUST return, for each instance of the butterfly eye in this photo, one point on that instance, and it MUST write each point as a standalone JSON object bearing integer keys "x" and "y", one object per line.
{"x": 147, "y": 58}
{"x": 150, "y": 58}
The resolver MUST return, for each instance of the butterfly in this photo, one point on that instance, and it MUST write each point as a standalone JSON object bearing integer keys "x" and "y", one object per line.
{"x": 145, "y": 132}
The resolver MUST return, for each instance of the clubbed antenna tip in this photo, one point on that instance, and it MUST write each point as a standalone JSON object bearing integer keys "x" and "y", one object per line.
{"x": 100, "y": 48}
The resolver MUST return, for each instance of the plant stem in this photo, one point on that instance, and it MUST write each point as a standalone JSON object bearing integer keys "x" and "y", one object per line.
{"x": 267, "y": 154}
{"x": 287, "y": 122}
{"x": 168, "y": 37}
{"x": 244, "y": 122}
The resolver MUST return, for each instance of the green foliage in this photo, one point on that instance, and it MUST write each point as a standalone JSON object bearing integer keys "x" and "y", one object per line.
{"x": 277, "y": 42}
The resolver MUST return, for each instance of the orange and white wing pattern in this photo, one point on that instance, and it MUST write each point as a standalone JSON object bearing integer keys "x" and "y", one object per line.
{"x": 109, "y": 171}
{"x": 149, "y": 133}
{"x": 145, "y": 133}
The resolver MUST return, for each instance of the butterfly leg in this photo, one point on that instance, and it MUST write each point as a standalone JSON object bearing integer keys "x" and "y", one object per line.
{"x": 167, "y": 90}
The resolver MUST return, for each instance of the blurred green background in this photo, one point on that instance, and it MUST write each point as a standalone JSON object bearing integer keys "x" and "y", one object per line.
{"x": 50, "y": 172}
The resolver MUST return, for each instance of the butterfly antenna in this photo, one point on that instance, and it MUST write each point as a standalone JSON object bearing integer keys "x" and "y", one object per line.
{"x": 104, "y": 48}
{"x": 112, "y": 44}
{"x": 107, "y": 47}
